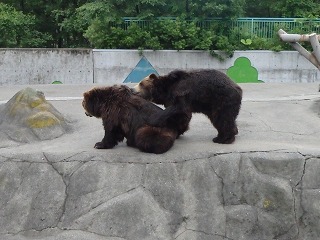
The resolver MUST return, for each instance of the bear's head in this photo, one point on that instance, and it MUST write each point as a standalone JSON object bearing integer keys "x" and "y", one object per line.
{"x": 146, "y": 86}
{"x": 92, "y": 102}
{"x": 99, "y": 101}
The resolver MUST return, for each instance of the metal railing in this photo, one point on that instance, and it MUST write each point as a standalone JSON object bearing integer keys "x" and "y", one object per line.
{"x": 260, "y": 27}
{"x": 268, "y": 27}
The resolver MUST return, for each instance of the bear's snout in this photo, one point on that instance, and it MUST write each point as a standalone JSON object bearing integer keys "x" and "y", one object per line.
{"x": 87, "y": 114}
{"x": 136, "y": 88}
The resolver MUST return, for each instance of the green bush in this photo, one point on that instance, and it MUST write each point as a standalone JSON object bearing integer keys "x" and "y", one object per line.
{"x": 169, "y": 34}
{"x": 178, "y": 34}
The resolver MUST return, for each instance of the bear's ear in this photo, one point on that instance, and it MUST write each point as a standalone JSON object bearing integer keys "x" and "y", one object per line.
{"x": 86, "y": 96}
{"x": 153, "y": 76}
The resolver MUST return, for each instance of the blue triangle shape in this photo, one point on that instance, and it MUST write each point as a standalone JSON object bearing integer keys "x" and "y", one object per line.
{"x": 141, "y": 70}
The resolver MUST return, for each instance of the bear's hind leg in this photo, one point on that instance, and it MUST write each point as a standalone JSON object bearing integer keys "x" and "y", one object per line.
{"x": 154, "y": 139}
{"x": 225, "y": 123}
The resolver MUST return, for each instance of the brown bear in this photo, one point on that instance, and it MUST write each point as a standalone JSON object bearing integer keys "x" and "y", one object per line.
{"x": 210, "y": 92}
{"x": 126, "y": 115}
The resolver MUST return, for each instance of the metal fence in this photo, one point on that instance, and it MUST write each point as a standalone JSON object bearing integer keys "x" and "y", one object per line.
{"x": 260, "y": 27}
{"x": 268, "y": 27}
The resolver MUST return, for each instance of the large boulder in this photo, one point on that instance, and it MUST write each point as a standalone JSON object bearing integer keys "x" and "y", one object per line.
{"x": 29, "y": 117}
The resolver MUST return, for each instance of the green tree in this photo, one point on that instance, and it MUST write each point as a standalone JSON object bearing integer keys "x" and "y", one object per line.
{"x": 48, "y": 15}
{"x": 99, "y": 23}
{"x": 73, "y": 23}
{"x": 298, "y": 8}
{"x": 216, "y": 8}
{"x": 283, "y": 8}
{"x": 18, "y": 29}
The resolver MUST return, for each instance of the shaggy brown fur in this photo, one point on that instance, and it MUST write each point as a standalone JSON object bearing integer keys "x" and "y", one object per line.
{"x": 126, "y": 115}
{"x": 210, "y": 92}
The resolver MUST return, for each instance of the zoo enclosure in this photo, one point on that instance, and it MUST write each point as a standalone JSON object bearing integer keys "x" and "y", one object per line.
{"x": 251, "y": 27}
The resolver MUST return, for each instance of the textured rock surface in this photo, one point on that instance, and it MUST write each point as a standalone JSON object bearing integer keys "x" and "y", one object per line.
{"x": 224, "y": 196}
{"x": 264, "y": 186}
{"x": 28, "y": 117}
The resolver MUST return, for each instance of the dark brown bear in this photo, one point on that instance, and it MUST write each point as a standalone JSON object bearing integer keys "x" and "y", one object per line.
{"x": 126, "y": 115}
{"x": 210, "y": 92}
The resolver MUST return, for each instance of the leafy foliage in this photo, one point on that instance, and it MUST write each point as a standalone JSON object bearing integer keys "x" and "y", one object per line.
{"x": 99, "y": 23}
{"x": 18, "y": 29}
{"x": 168, "y": 34}
{"x": 283, "y": 8}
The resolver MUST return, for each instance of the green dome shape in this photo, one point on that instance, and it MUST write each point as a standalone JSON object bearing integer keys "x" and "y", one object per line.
{"x": 243, "y": 72}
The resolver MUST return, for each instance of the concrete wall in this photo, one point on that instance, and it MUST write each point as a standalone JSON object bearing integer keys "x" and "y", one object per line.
{"x": 71, "y": 66}
{"x": 42, "y": 66}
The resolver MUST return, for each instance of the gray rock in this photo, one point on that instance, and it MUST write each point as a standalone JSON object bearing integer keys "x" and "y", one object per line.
{"x": 311, "y": 177}
{"x": 310, "y": 195}
{"x": 245, "y": 217}
{"x": 32, "y": 197}
{"x": 94, "y": 184}
{"x": 132, "y": 215}
{"x": 57, "y": 234}
{"x": 229, "y": 196}
{"x": 28, "y": 117}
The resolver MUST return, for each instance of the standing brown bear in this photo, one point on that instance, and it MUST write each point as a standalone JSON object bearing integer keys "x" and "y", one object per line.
{"x": 126, "y": 115}
{"x": 210, "y": 92}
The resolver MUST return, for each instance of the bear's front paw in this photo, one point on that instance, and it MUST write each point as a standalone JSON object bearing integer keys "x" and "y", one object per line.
{"x": 100, "y": 145}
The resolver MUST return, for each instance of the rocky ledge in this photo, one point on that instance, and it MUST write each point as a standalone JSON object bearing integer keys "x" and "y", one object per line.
{"x": 264, "y": 186}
